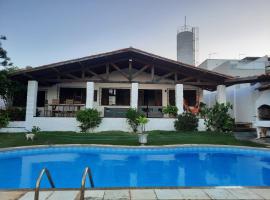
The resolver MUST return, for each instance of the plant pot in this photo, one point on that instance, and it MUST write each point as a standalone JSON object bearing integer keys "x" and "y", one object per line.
{"x": 142, "y": 138}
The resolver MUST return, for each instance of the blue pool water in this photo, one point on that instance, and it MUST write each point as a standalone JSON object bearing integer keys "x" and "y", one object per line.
{"x": 137, "y": 167}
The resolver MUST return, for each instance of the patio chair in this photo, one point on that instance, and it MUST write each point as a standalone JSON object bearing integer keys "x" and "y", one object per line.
{"x": 69, "y": 110}
{"x": 55, "y": 109}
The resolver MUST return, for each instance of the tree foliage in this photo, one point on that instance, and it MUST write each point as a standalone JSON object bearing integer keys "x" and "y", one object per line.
{"x": 89, "y": 119}
{"x": 217, "y": 118}
{"x": 4, "y": 59}
{"x": 132, "y": 116}
{"x": 8, "y": 87}
{"x": 186, "y": 122}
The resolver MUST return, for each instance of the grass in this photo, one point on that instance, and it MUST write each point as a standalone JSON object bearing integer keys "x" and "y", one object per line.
{"x": 122, "y": 138}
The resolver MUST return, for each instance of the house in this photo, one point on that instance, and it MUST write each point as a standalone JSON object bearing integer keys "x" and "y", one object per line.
{"x": 113, "y": 82}
{"x": 249, "y": 92}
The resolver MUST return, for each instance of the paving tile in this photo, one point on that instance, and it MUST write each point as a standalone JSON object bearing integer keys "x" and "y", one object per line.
{"x": 244, "y": 194}
{"x": 265, "y": 193}
{"x": 94, "y": 194}
{"x": 11, "y": 195}
{"x": 218, "y": 193}
{"x": 168, "y": 194}
{"x": 193, "y": 194}
{"x": 116, "y": 195}
{"x": 63, "y": 195}
{"x": 143, "y": 194}
{"x": 43, "y": 195}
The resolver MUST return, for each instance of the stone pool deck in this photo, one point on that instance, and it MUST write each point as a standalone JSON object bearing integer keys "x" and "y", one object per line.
{"x": 144, "y": 194}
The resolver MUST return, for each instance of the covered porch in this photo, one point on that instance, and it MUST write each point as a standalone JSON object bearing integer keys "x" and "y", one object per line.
{"x": 113, "y": 82}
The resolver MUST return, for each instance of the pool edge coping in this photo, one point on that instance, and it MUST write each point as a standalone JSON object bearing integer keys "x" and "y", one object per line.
{"x": 132, "y": 147}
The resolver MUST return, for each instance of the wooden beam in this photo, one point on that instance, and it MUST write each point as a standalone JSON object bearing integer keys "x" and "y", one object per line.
{"x": 200, "y": 84}
{"x": 120, "y": 71}
{"x": 71, "y": 76}
{"x": 152, "y": 73}
{"x": 164, "y": 76}
{"x": 107, "y": 71}
{"x": 175, "y": 77}
{"x": 95, "y": 74}
{"x": 186, "y": 79}
{"x": 130, "y": 69}
{"x": 140, "y": 71}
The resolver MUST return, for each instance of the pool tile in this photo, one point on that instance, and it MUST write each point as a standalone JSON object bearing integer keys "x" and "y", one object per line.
{"x": 168, "y": 194}
{"x": 43, "y": 195}
{"x": 63, "y": 195}
{"x": 11, "y": 195}
{"x": 116, "y": 195}
{"x": 143, "y": 194}
{"x": 193, "y": 194}
{"x": 94, "y": 194}
{"x": 242, "y": 193}
{"x": 265, "y": 193}
{"x": 218, "y": 193}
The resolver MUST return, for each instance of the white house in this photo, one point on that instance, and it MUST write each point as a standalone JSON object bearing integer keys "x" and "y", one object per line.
{"x": 112, "y": 82}
{"x": 250, "y": 89}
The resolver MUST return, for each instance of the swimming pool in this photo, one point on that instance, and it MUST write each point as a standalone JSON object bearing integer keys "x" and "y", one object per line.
{"x": 137, "y": 167}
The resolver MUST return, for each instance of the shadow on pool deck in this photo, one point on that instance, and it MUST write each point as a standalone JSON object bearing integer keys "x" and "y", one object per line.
{"x": 252, "y": 136}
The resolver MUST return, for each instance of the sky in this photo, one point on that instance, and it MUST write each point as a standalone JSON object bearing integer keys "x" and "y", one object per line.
{"x": 42, "y": 32}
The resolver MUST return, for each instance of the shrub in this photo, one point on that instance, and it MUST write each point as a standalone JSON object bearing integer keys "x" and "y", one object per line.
{"x": 218, "y": 118}
{"x": 35, "y": 129}
{"x": 170, "y": 110}
{"x": 89, "y": 119}
{"x": 186, "y": 122}
{"x": 16, "y": 114}
{"x": 132, "y": 115}
{"x": 4, "y": 120}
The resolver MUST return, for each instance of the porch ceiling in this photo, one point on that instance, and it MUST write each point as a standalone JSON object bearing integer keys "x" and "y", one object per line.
{"x": 87, "y": 68}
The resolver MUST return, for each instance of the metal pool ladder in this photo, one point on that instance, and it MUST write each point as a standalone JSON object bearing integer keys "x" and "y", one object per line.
{"x": 87, "y": 171}
{"x": 43, "y": 171}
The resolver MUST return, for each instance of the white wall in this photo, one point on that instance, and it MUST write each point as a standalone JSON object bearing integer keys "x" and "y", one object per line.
{"x": 243, "y": 97}
{"x": 108, "y": 124}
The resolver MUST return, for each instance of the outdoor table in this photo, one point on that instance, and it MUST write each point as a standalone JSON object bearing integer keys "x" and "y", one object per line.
{"x": 54, "y": 106}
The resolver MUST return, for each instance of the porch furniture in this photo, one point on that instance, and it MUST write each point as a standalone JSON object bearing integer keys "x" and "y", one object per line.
{"x": 115, "y": 112}
{"x": 60, "y": 110}
{"x": 152, "y": 111}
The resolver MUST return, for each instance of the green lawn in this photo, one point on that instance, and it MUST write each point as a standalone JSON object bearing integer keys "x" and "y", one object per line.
{"x": 122, "y": 138}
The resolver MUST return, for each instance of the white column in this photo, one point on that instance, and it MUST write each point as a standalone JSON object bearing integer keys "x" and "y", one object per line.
{"x": 134, "y": 95}
{"x": 31, "y": 103}
{"x": 90, "y": 87}
{"x": 221, "y": 94}
{"x": 179, "y": 97}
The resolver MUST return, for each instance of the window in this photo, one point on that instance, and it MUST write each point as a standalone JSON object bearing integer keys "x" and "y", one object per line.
{"x": 150, "y": 97}
{"x": 190, "y": 97}
{"x": 77, "y": 94}
{"x": 41, "y": 97}
{"x": 95, "y": 96}
{"x": 19, "y": 99}
{"x": 172, "y": 97}
{"x": 119, "y": 97}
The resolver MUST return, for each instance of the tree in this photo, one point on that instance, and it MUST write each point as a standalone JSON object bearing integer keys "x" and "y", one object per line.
{"x": 4, "y": 59}
{"x": 8, "y": 87}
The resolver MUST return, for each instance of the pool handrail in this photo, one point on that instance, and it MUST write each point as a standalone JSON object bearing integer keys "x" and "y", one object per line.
{"x": 43, "y": 171}
{"x": 88, "y": 172}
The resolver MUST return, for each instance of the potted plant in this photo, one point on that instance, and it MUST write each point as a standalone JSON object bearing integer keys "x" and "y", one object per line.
{"x": 142, "y": 121}
{"x": 170, "y": 110}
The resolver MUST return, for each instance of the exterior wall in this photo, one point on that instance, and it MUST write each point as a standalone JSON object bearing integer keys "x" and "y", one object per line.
{"x": 14, "y": 127}
{"x": 235, "y": 67}
{"x": 108, "y": 124}
{"x": 243, "y": 97}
